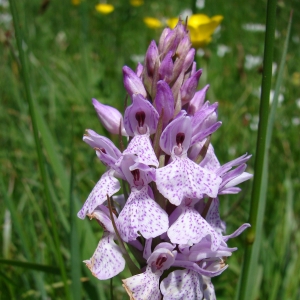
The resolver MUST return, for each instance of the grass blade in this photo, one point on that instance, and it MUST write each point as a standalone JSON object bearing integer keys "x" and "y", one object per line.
{"x": 26, "y": 81}
{"x": 258, "y": 197}
{"x": 30, "y": 266}
{"x": 75, "y": 251}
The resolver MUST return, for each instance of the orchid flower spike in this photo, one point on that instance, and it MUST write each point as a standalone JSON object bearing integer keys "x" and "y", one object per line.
{"x": 172, "y": 180}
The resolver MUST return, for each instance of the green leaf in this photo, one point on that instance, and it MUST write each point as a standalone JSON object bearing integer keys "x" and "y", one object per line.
{"x": 30, "y": 266}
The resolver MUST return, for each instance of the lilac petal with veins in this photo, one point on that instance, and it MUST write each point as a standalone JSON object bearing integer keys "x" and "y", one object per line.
{"x": 202, "y": 134}
{"x": 107, "y": 261}
{"x": 190, "y": 228}
{"x": 204, "y": 118}
{"x": 185, "y": 179}
{"x": 141, "y": 214}
{"x": 195, "y": 267}
{"x": 132, "y": 83}
{"x": 97, "y": 141}
{"x": 144, "y": 286}
{"x": 182, "y": 284}
{"x": 239, "y": 179}
{"x": 110, "y": 117}
{"x": 237, "y": 232}
{"x": 208, "y": 253}
{"x": 164, "y": 100}
{"x": 107, "y": 185}
{"x": 197, "y": 101}
{"x": 139, "y": 115}
{"x": 232, "y": 190}
{"x": 236, "y": 162}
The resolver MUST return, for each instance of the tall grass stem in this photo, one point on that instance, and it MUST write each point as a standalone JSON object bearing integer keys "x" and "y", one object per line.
{"x": 258, "y": 197}
{"x": 26, "y": 80}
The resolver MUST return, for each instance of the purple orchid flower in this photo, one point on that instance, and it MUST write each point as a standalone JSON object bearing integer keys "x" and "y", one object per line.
{"x": 190, "y": 227}
{"x": 140, "y": 121}
{"x": 108, "y": 184}
{"x": 140, "y": 213}
{"x": 146, "y": 285}
{"x": 107, "y": 261}
{"x": 167, "y": 201}
{"x": 182, "y": 284}
{"x": 183, "y": 178}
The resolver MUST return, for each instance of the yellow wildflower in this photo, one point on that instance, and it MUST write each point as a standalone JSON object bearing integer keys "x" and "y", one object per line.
{"x": 201, "y": 28}
{"x": 136, "y": 2}
{"x": 104, "y": 8}
{"x": 75, "y": 2}
{"x": 152, "y": 22}
{"x": 296, "y": 78}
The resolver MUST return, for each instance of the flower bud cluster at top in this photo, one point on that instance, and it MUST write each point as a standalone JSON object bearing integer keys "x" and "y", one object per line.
{"x": 169, "y": 212}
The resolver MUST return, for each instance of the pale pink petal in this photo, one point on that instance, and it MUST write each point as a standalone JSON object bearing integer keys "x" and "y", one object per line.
{"x": 209, "y": 290}
{"x": 184, "y": 178}
{"x": 210, "y": 161}
{"x": 141, "y": 214}
{"x": 181, "y": 285}
{"x": 107, "y": 185}
{"x": 143, "y": 286}
{"x": 107, "y": 261}
{"x": 141, "y": 146}
{"x": 190, "y": 228}
{"x": 213, "y": 217}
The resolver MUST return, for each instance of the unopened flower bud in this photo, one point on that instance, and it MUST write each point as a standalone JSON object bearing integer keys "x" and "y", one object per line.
{"x": 184, "y": 46}
{"x": 197, "y": 101}
{"x": 163, "y": 36}
{"x": 139, "y": 70}
{"x": 151, "y": 58}
{"x": 166, "y": 68}
{"x": 133, "y": 84}
{"x": 188, "y": 60}
{"x": 188, "y": 89}
{"x": 110, "y": 117}
{"x": 164, "y": 100}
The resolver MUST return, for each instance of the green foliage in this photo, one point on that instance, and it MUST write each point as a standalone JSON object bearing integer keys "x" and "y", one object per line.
{"x": 74, "y": 54}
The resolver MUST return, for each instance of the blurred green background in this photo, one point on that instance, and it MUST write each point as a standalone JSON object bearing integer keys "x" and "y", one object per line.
{"x": 76, "y": 53}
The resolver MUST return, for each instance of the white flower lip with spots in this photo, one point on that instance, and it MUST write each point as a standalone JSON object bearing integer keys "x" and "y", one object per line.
{"x": 172, "y": 182}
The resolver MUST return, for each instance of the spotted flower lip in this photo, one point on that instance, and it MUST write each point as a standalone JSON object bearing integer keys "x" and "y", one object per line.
{"x": 172, "y": 180}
